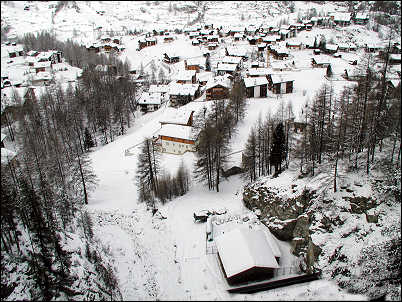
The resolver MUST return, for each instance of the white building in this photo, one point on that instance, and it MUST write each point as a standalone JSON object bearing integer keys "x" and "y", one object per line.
{"x": 176, "y": 139}
{"x": 245, "y": 254}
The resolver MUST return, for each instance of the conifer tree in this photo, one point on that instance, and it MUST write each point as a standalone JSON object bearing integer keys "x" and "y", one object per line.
{"x": 278, "y": 148}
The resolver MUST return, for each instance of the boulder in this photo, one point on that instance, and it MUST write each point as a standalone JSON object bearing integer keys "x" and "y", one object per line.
{"x": 232, "y": 171}
{"x": 283, "y": 230}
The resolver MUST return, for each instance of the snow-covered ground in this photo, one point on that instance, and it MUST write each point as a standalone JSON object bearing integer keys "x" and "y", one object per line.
{"x": 166, "y": 258}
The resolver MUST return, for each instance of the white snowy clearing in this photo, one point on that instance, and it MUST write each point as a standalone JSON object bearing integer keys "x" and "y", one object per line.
{"x": 166, "y": 258}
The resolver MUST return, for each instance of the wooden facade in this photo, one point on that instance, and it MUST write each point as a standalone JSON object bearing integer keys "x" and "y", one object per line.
{"x": 217, "y": 92}
{"x": 252, "y": 274}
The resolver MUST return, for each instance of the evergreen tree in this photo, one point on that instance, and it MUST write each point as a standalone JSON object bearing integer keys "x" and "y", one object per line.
{"x": 278, "y": 148}
{"x": 88, "y": 141}
{"x": 147, "y": 172}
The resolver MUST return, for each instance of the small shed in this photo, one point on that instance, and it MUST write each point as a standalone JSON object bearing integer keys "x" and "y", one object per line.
{"x": 245, "y": 255}
{"x": 320, "y": 62}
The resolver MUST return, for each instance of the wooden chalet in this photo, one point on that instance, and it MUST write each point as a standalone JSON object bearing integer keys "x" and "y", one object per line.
{"x": 233, "y": 60}
{"x": 256, "y": 87}
{"x": 106, "y": 39}
{"x": 93, "y": 48}
{"x": 280, "y": 83}
{"x": 279, "y": 53}
{"x": 195, "y": 64}
{"x": 142, "y": 44}
{"x": 294, "y": 45}
{"x": 213, "y": 38}
{"x": 238, "y": 37}
{"x": 223, "y": 69}
{"x": 371, "y": 48}
{"x": 171, "y": 58}
{"x": 52, "y": 56}
{"x": 331, "y": 48}
{"x": 394, "y": 58}
{"x": 43, "y": 66}
{"x": 217, "y": 88}
{"x": 341, "y": 19}
{"x": 258, "y": 72}
{"x": 320, "y": 62}
{"x": 181, "y": 94}
{"x": 149, "y": 102}
{"x": 204, "y": 77}
{"x": 252, "y": 40}
{"x": 261, "y": 46}
{"x": 116, "y": 40}
{"x": 212, "y": 46}
{"x": 361, "y": 18}
{"x": 151, "y": 41}
{"x": 186, "y": 77}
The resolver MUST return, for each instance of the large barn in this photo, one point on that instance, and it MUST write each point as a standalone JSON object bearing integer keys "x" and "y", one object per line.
{"x": 256, "y": 87}
{"x": 245, "y": 255}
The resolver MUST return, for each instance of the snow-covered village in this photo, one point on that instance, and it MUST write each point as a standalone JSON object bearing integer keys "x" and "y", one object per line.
{"x": 201, "y": 150}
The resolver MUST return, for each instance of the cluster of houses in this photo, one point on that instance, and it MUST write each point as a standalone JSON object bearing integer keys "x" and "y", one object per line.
{"x": 106, "y": 44}
{"x": 34, "y": 67}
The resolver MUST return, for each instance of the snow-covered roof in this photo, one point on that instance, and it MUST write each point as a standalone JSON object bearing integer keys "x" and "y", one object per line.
{"x": 180, "y": 115}
{"x": 231, "y": 60}
{"x": 44, "y": 75}
{"x": 235, "y": 51}
{"x": 238, "y": 35}
{"x": 196, "y": 61}
{"x": 294, "y": 43}
{"x": 361, "y": 16}
{"x": 158, "y": 88}
{"x": 321, "y": 60}
{"x": 257, "y": 81}
{"x": 219, "y": 80}
{"x": 42, "y": 64}
{"x": 237, "y": 29}
{"x": 395, "y": 56}
{"x": 242, "y": 249}
{"x": 171, "y": 53}
{"x": 177, "y": 131}
{"x": 270, "y": 38}
{"x": 147, "y": 98}
{"x": 259, "y": 71}
{"x": 331, "y": 46}
{"x": 281, "y": 78}
{"x": 204, "y": 76}
{"x": 279, "y": 65}
{"x": 45, "y": 54}
{"x": 185, "y": 75}
{"x": 3, "y": 136}
{"x": 226, "y": 67}
{"x": 342, "y": 17}
{"x": 182, "y": 89}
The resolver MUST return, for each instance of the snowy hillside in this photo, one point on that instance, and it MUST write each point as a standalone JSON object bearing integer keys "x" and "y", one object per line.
{"x": 138, "y": 254}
